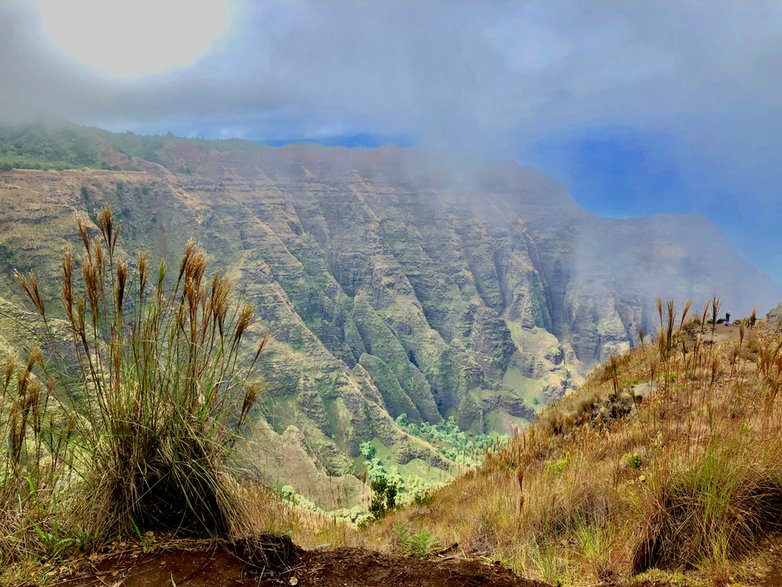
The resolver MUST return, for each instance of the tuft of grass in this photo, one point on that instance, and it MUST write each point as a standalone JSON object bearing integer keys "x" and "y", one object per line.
{"x": 128, "y": 426}
{"x": 714, "y": 508}
{"x": 419, "y": 544}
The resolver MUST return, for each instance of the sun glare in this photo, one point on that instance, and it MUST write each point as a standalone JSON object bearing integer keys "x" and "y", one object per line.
{"x": 134, "y": 38}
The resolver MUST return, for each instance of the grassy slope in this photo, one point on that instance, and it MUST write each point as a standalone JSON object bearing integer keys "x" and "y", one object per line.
{"x": 62, "y": 145}
{"x": 689, "y": 480}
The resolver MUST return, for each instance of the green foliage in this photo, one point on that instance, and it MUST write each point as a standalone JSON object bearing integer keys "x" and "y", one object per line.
{"x": 451, "y": 441}
{"x": 555, "y": 468}
{"x": 62, "y": 145}
{"x": 592, "y": 540}
{"x": 39, "y": 146}
{"x": 57, "y": 544}
{"x": 418, "y": 544}
{"x": 409, "y": 487}
{"x": 633, "y": 460}
{"x": 423, "y": 498}
{"x": 446, "y": 437}
{"x": 356, "y": 515}
{"x": 289, "y": 494}
{"x": 383, "y": 497}
{"x": 367, "y": 450}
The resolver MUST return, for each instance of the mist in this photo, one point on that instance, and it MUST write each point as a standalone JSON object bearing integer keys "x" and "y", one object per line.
{"x": 682, "y": 96}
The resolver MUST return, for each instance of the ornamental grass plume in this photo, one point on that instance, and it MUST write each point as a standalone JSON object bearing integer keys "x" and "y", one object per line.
{"x": 155, "y": 387}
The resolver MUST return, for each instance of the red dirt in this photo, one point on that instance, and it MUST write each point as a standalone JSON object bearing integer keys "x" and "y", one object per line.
{"x": 203, "y": 564}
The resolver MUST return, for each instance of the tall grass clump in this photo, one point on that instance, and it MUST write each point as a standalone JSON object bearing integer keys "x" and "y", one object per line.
{"x": 154, "y": 382}
{"x": 34, "y": 463}
{"x": 713, "y": 509}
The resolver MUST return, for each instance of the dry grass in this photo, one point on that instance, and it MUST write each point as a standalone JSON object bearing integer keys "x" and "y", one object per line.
{"x": 687, "y": 479}
{"x": 267, "y": 513}
{"x": 129, "y": 430}
{"x": 125, "y": 421}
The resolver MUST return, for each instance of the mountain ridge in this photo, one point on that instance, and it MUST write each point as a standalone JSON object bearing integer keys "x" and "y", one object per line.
{"x": 393, "y": 281}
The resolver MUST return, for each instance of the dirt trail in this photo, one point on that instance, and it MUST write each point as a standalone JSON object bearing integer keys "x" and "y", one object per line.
{"x": 207, "y": 565}
{"x": 722, "y": 332}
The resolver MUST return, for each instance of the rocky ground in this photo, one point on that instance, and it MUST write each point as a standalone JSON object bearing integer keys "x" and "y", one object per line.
{"x": 201, "y": 563}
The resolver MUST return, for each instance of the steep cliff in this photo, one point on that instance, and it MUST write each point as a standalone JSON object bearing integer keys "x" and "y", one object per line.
{"x": 392, "y": 281}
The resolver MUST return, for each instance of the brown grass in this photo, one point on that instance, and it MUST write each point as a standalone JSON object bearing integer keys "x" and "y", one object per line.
{"x": 125, "y": 422}
{"x": 689, "y": 478}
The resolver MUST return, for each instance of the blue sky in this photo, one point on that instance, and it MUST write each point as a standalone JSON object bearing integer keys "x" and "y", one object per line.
{"x": 640, "y": 107}
{"x": 628, "y": 172}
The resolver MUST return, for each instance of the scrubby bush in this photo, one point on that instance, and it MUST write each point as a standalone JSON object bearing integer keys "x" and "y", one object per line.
{"x": 418, "y": 544}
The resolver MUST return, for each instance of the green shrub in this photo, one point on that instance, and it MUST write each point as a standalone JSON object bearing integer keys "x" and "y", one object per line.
{"x": 418, "y": 544}
{"x": 383, "y": 497}
{"x": 557, "y": 467}
{"x": 423, "y": 498}
{"x": 633, "y": 460}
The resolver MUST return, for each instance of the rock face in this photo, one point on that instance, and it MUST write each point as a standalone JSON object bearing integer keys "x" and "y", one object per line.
{"x": 392, "y": 281}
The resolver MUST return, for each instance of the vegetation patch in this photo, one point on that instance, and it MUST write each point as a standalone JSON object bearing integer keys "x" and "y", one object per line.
{"x": 452, "y": 442}
{"x": 419, "y": 544}
{"x": 717, "y": 507}
{"x": 128, "y": 428}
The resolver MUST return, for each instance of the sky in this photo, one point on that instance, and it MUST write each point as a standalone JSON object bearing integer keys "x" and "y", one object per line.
{"x": 641, "y": 107}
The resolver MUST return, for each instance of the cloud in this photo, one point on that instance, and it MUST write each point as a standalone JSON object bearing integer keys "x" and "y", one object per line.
{"x": 496, "y": 77}
{"x": 459, "y": 72}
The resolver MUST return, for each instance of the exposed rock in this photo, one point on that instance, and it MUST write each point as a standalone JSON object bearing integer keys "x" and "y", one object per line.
{"x": 392, "y": 281}
{"x": 775, "y": 315}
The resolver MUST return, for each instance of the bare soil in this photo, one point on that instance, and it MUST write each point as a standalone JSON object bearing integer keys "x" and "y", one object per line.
{"x": 274, "y": 562}
{"x": 774, "y": 575}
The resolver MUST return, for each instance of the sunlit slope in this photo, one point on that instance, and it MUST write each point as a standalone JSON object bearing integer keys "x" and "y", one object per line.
{"x": 666, "y": 461}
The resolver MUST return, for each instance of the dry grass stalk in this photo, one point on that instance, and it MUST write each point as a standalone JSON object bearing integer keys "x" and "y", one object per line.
{"x": 141, "y": 412}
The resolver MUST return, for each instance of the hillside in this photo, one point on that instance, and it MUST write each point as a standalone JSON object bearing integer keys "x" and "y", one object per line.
{"x": 663, "y": 469}
{"x": 392, "y": 281}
